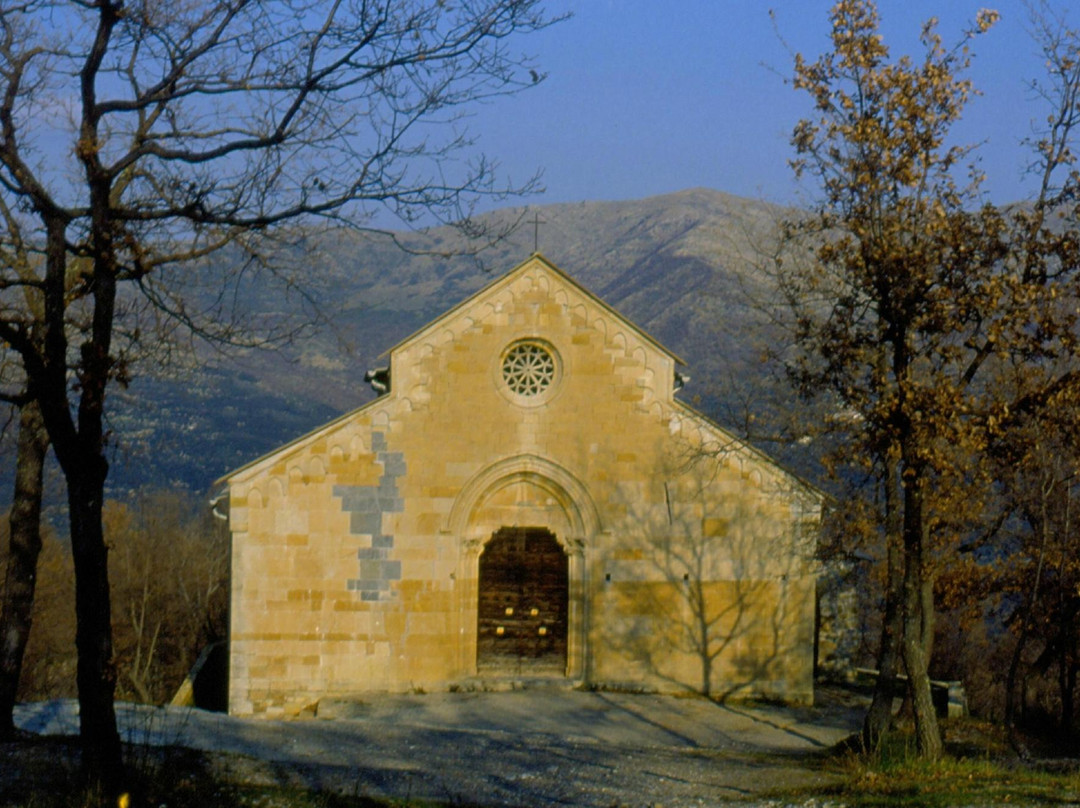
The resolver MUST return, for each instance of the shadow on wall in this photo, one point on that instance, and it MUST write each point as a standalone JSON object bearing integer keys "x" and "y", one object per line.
{"x": 712, "y": 589}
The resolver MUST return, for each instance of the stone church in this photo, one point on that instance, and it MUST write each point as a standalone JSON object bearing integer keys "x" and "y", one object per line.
{"x": 527, "y": 499}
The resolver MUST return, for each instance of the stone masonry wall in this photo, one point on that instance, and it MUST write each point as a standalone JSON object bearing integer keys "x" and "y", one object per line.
{"x": 356, "y": 548}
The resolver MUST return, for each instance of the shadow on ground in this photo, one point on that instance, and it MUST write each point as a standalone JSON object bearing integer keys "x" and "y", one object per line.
{"x": 529, "y": 747}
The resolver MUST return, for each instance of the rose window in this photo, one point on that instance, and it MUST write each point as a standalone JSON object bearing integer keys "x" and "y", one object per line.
{"x": 528, "y": 369}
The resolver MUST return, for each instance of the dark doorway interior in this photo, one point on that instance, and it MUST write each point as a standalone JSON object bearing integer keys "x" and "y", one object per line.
{"x": 522, "y": 609}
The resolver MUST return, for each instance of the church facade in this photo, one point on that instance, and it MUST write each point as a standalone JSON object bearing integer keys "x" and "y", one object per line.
{"x": 527, "y": 499}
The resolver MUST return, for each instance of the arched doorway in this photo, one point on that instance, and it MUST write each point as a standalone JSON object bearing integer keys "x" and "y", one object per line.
{"x": 522, "y": 604}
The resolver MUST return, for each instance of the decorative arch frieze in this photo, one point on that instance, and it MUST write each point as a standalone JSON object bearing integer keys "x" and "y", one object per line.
{"x": 567, "y": 489}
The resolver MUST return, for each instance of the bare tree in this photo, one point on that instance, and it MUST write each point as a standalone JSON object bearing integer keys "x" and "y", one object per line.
{"x": 164, "y": 620}
{"x": 138, "y": 137}
{"x": 48, "y": 659}
{"x": 31, "y": 448}
{"x": 24, "y": 548}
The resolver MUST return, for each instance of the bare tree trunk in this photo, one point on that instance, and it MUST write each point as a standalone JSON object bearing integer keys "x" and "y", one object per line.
{"x": 96, "y": 672}
{"x": 878, "y": 717}
{"x": 1069, "y": 609}
{"x": 1068, "y": 697}
{"x": 20, "y": 576}
{"x": 927, "y": 735}
{"x": 141, "y": 669}
{"x": 926, "y": 633}
{"x": 1010, "y": 688}
{"x": 1067, "y": 671}
{"x": 1031, "y": 599}
{"x": 79, "y": 446}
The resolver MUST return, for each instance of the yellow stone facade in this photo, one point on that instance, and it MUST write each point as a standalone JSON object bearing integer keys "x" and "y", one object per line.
{"x": 356, "y": 560}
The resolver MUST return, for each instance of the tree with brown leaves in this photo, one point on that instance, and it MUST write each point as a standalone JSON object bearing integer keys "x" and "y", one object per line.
{"x": 917, "y": 299}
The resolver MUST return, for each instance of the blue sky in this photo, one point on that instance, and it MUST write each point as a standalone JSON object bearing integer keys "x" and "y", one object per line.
{"x": 645, "y": 97}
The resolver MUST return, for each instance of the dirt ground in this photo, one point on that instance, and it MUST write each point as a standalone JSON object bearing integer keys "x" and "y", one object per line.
{"x": 528, "y": 747}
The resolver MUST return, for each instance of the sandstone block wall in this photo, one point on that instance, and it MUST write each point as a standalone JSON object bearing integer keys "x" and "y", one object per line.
{"x": 355, "y": 549}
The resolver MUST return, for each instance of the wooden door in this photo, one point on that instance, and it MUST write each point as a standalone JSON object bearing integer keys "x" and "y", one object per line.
{"x": 522, "y": 608}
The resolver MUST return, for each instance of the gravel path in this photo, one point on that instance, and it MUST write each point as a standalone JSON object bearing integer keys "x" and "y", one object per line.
{"x": 532, "y": 747}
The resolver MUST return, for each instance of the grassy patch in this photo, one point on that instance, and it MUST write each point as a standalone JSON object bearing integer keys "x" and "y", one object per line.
{"x": 977, "y": 770}
{"x": 958, "y": 782}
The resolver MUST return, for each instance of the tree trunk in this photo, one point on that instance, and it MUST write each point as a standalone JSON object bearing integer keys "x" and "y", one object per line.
{"x": 926, "y": 613}
{"x": 1067, "y": 673}
{"x": 1031, "y": 600}
{"x": 20, "y": 576}
{"x": 879, "y": 716}
{"x": 1010, "y": 687}
{"x": 1068, "y": 699}
{"x": 927, "y": 735}
{"x": 96, "y": 671}
{"x": 79, "y": 447}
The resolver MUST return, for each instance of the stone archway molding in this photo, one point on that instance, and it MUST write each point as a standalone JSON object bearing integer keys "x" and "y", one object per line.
{"x": 582, "y": 516}
{"x": 568, "y": 490}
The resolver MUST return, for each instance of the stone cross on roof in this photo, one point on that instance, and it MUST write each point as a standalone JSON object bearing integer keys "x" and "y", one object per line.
{"x": 536, "y": 221}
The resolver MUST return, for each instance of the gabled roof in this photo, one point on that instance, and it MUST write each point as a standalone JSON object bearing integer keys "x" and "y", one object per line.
{"x": 307, "y": 437}
{"x": 749, "y": 449}
{"x": 525, "y": 266}
{"x": 510, "y": 277}
{"x": 506, "y": 279}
